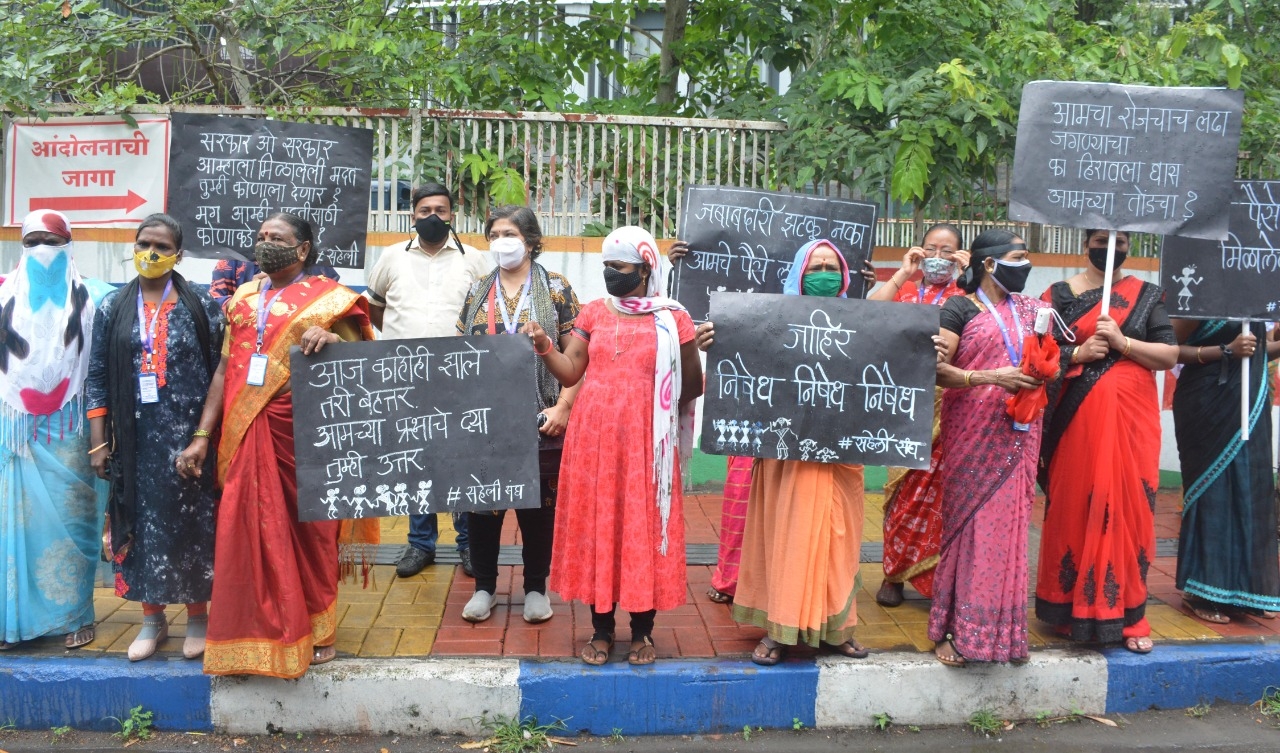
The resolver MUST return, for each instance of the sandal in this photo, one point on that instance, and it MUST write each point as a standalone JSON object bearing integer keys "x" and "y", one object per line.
{"x": 81, "y": 637}
{"x": 1206, "y": 611}
{"x": 1259, "y": 614}
{"x": 955, "y": 659}
{"x": 323, "y": 655}
{"x": 593, "y": 654}
{"x": 642, "y": 652}
{"x": 774, "y": 652}
{"x": 718, "y": 596}
{"x": 1139, "y": 644}
{"x": 850, "y": 648}
{"x": 889, "y": 595}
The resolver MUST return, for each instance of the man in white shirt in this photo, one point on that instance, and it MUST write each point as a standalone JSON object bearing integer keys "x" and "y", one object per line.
{"x": 417, "y": 290}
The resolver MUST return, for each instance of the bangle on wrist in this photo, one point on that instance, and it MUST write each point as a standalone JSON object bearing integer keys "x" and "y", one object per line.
{"x": 968, "y": 379}
{"x": 201, "y": 433}
{"x": 1074, "y": 352}
{"x": 102, "y": 446}
{"x": 1199, "y": 354}
{"x": 542, "y": 352}
{"x": 1128, "y": 346}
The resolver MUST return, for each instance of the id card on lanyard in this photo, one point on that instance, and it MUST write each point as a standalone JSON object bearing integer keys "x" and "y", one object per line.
{"x": 148, "y": 381}
{"x": 1012, "y": 348}
{"x": 257, "y": 376}
{"x": 511, "y": 325}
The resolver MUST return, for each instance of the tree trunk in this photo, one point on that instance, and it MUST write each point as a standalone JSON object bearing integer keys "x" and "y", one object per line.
{"x": 674, "y": 17}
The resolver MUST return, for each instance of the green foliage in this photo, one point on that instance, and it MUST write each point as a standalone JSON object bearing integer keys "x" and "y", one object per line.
{"x": 59, "y": 733}
{"x": 1269, "y": 704}
{"x": 985, "y": 722}
{"x": 616, "y": 737}
{"x": 136, "y": 727}
{"x": 511, "y": 735}
{"x": 881, "y": 721}
{"x": 1199, "y": 711}
{"x": 796, "y": 724}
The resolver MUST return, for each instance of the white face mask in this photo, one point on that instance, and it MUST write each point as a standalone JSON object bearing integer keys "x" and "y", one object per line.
{"x": 507, "y": 252}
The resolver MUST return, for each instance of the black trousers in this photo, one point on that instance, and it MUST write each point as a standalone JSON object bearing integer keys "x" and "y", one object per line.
{"x": 641, "y": 622}
{"x": 537, "y": 530}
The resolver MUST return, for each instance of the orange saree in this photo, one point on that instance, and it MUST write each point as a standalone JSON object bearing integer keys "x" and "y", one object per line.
{"x": 275, "y": 582}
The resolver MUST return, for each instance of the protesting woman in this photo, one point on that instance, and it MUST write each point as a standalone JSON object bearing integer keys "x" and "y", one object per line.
{"x": 912, "y": 523}
{"x": 799, "y": 575}
{"x": 1100, "y": 459}
{"x": 528, "y": 292}
{"x": 275, "y": 580}
{"x": 156, "y": 345}
{"x": 619, "y": 538}
{"x": 979, "y": 608}
{"x": 1227, "y": 559}
{"x": 50, "y": 513}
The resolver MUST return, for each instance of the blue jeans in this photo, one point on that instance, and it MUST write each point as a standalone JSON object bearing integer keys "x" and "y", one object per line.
{"x": 424, "y": 530}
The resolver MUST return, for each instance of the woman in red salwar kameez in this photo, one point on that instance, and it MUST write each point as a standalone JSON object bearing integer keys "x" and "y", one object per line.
{"x": 275, "y": 580}
{"x": 1100, "y": 461}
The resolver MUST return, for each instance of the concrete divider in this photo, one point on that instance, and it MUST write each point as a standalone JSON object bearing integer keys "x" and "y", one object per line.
{"x": 1176, "y": 677}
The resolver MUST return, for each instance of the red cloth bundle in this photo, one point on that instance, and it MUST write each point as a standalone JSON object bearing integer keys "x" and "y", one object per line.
{"x": 1040, "y": 356}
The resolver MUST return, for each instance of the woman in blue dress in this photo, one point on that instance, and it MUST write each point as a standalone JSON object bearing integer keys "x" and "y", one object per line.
{"x": 50, "y": 511}
{"x": 156, "y": 347}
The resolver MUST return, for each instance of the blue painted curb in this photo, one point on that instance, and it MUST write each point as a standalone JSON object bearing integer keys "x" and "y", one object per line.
{"x": 40, "y": 693}
{"x": 669, "y": 697}
{"x": 1173, "y": 677}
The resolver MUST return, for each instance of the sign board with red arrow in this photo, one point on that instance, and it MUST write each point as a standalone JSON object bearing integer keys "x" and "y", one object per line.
{"x": 99, "y": 171}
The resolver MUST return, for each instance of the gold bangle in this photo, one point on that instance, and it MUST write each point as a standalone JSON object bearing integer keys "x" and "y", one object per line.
{"x": 99, "y": 447}
{"x": 201, "y": 433}
{"x": 1199, "y": 352}
{"x": 1074, "y": 352}
{"x": 968, "y": 379}
{"x": 1128, "y": 346}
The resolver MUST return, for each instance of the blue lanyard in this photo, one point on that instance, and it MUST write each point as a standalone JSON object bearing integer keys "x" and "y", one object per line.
{"x": 263, "y": 309}
{"x": 937, "y": 297}
{"x": 147, "y": 332}
{"x": 507, "y": 324}
{"x": 1015, "y": 355}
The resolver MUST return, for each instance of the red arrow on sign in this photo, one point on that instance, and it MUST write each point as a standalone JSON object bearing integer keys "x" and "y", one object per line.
{"x": 128, "y": 203}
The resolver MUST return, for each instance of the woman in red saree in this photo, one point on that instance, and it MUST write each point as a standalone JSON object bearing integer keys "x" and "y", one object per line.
{"x": 912, "y": 498}
{"x": 1100, "y": 461}
{"x": 275, "y": 580}
{"x": 979, "y": 610}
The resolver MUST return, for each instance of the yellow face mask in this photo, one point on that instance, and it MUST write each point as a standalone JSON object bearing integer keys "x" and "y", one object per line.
{"x": 152, "y": 265}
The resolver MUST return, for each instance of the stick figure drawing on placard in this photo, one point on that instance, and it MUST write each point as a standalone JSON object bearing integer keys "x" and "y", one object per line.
{"x": 358, "y": 500}
{"x": 423, "y": 497}
{"x": 719, "y": 426}
{"x": 385, "y": 499}
{"x": 782, "y": 427}
{"x": 1186, "y": 280}
{"x": 331, "y": 500}
{"x": 402, "y": 498}
{"x": 757, "y": 434}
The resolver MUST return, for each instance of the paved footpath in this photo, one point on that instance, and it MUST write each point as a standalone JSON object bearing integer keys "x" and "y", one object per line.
{"x": 409, "y": 663}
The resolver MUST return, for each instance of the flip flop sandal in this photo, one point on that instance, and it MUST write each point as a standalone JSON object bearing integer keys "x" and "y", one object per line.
{"x": 718, "y": 596}
{"x": 1136, "y": 645}
{"x": 633, "y": 657}
{"x": 599, "y": 656}
{"x": 850, "y": 648}
{"x": 81, "y": 637}
{"x": 773, "y": 654}
{"x": 323, "y": 655}
{"x": 956, "y": 660}
{"x": 1207, "y": 613}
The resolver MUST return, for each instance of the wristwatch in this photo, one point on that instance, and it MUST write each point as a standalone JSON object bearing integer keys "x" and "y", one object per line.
{"x": 1226, "y": 351}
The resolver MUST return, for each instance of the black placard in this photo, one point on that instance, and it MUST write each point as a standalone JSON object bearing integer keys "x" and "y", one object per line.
{"x": 393, "y": 427}
{"x": 228, "y": 174}
{"x": 829, "y": 380}
{"x": 1238, "y": 278}
{"x": 743, "y": 240}
{"x": 1117, "y": 157}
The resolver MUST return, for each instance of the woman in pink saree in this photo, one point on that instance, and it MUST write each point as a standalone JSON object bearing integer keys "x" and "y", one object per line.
{"x": 979, "y": 610}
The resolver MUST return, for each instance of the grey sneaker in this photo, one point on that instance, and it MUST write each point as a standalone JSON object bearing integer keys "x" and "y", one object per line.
{"x": 479, "y": 607}
{"x": 412, "y": 562}
{"x": 537, "y": 607}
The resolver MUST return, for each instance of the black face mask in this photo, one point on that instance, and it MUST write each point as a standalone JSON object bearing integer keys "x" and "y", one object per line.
{"x": 432, "y": 229}
{"x": 1011, "y": 277}
{"x": 273, "y": 257}
{"x": 1098, "y": 258}
{"x": 620, "y": 284}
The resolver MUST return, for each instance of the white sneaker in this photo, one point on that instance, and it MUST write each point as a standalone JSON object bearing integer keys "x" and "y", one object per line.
{"x": 537, "y": 607}
{"x": 479, "y": 607}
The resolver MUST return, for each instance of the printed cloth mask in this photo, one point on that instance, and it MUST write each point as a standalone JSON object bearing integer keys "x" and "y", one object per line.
{"x": 1098, "y": 258}
{"x": 507, "y": 252}
{"x": 273, "y": 257}
{"x": 824, "y": 284}
{"x": 937, "y": 270}
{"x": 431, "y": 229}
{"x": 152, "y": 265}
{"x": 620, "y": 284}
{"x": 1011, "y": 276}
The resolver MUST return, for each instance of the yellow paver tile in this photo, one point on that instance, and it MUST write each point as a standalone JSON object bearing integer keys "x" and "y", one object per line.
{"x": 349, "y": 640}
{"x": 357, "y": 596}
{"x": 883, "y": 637}
{"x": 106, "y": 634}
{"x": 416, "y": 642}
{"x": 412, "y": 610}
{"x": 417, "y": 620}
{"x": 359, "y": 616}
{"x": 380, "y": 642}
{"x": 871, "y": 613}
{"x": 121, "y": 643}
{"x": 432, "y": 593}
{"x": 912, "y": 612}
{"x": 402, "y": 593}
{"x": 918, "y": 634}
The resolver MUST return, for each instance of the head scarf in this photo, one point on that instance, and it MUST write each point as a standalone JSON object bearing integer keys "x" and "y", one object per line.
{"x": 794, "y": 284}
{"x": 672, "y": 428}
{"x": 46, "y": 322}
